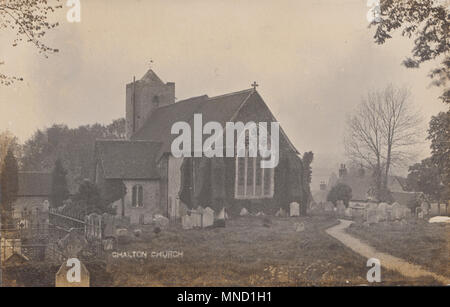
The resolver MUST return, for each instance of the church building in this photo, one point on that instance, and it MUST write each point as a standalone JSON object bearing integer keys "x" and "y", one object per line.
{"x": 157, "y": 182}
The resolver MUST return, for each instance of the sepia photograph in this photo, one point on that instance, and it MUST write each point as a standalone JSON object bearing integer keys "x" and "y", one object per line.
{"x": 257, "y": 144}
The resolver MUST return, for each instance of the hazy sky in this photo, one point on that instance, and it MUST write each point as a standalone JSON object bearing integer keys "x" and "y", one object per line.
{"x": 314, "y": 60}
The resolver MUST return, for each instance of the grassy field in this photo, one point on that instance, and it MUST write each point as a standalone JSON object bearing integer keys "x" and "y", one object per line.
{"x": 417, "y": 242}
{"x": 246, "y": 253}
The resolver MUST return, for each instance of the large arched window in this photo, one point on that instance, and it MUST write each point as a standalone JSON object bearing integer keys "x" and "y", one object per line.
{"x": 252, "y": 181}
{"x": 137, "y": 196}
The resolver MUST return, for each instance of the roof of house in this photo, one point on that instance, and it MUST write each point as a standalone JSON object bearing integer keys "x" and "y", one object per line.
{"x": 34, "y": 184}
{"x": 122, "y": 159}
{"x": 405, "y": 198}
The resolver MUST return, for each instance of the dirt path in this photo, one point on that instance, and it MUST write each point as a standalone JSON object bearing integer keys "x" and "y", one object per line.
{"x": 387, "y": 261}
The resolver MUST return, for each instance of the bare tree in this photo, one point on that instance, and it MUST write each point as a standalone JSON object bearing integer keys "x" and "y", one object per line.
{"x": 381, "y": 133}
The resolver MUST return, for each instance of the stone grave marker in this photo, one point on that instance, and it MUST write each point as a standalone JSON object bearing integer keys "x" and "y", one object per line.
{"x": 243, "y": 212}
{"x": 443, "y": 209}
{"x": 397, "y": 211}
{"x": 434, "y": 209}
{"x": 341, "y": 209}
{"x": 186, "y": 222}
{"x": 207, "y": 217}
{"x": 294, "y": 209}
{"x": 372, "y": 216}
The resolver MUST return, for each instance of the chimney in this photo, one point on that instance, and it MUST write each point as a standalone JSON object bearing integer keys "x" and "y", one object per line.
{"x": 342, "y": 171}
{"x": 323, "y": 186}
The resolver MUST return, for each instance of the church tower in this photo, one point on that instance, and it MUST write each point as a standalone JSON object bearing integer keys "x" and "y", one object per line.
{"x": 143, "y": 96}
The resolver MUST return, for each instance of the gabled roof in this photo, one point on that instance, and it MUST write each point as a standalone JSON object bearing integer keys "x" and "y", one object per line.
{"x": 220, "y": 109}
{"x": 151, "y": 77}
{"x": 122, "y": 159}
{"x": 34, "y": 184}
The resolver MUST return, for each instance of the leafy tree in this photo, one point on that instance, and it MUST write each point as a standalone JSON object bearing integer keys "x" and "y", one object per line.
{"x": 439, "y": 135}
{"x": 428, "y": 22}
{"x": 89, "y": 200}
{"x": 424, "y": 177}
{"x": 29, "y": 21}
{"x": 340, "y": 191}
{"x": 60, "y": 192}
{"x": 75, "y": 148}
{"x": 9, "y": 187}
{"x": 307, "y": 160}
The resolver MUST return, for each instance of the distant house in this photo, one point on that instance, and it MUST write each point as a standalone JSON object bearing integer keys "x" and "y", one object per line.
{"x": 30, "y": 209}
{"x": 362, "y": 185}
{"x": 159, "y": 183}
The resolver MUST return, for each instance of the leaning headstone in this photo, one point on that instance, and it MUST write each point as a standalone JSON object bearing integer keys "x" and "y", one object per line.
{"x": 260, "y": 213}
{"x": 280, "y": 213}
{"x": 72, "y": 273}
{"x": 207, "y": 217}
{"x": 397, "y": 211}
{"x": 434, "y": 209}
{"x": 243, "y": 212}
{"x": 186, "y": 222}
{"x": 443, "y": 209}
{"x": 294, "y": 209}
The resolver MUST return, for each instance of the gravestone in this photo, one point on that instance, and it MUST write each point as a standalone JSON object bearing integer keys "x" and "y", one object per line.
{"x": 407, "y": 212}
{"x": 328, "y": 206}
{"x": 348, "y": 212}
{"x": 434, "y": 209}
{"x": 243, "y": 212}
{"x": 222, "y": 214}
{"x": 208, "y": 217}
{"x": 294, "y": 209}
{"x": 299, "y": 227}
{"x": 425, "y": 208}
{"x": 372, "y": 216}
{"x": 389, "y": 213}
{"x": 382, "y": 212}
{"x": 341, "y": 209}
{"x": 443, "y": 209}
{"x": 397, "y": 211}
{"x": 72, "y": 273}
{"x": 280, "y": 213}
{"x": 260, "y": 213}
{"x": 196, "y": 217}
{"x": 419, "y": 212}
{"x": 160, "y": 221}
{"x": 186, "y": 222}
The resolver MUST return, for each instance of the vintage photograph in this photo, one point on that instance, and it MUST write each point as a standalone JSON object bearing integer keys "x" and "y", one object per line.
{"x": 224, "y": 143}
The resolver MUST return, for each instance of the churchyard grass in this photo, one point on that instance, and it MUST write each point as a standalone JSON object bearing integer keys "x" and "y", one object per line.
{"x": 247, "y": 253}
{"x": 416, "y": 241}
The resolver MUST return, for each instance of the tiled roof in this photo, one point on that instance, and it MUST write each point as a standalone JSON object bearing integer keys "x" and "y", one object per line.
{"x": 34, "y": 183}
{"x": 128, "y": 159}
{"x": 220, "y": 109}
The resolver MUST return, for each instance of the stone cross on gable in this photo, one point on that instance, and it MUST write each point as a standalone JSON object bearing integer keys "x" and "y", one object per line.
{"x": 254, "y": 85}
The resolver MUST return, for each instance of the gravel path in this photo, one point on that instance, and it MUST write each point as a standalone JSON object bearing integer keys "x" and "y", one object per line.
{"x": 389, "y": 262}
